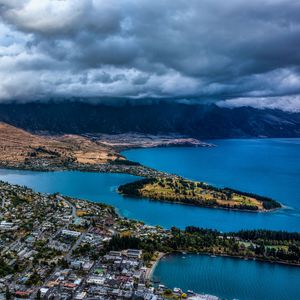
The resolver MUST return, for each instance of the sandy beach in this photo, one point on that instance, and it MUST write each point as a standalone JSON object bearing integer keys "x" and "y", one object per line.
{"x": 151, "y": 269}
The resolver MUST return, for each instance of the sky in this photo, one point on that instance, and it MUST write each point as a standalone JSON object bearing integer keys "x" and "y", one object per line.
{"x": 234, "y": 52}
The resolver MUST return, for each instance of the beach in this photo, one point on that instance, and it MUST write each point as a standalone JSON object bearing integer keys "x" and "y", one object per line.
{"x": 154, "y": 263}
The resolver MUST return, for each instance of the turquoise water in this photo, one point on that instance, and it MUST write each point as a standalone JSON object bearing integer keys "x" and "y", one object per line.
{"x": 102, "y": 188}
{"x": 268, "y": 167}
{"x": 229, "y": 278}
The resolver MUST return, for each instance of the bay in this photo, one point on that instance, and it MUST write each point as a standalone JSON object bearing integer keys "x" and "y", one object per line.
{"x": 229, "y": 278}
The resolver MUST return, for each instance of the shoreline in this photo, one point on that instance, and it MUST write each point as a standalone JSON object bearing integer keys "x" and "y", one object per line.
{"x": 255, "y": 259}
{"x": 207, "y": 206}
{"x": 140, "y": 170}
{"x": 138, "y": 174}
{"x": 150, "y": 270}
{"x": 182, "y": 253}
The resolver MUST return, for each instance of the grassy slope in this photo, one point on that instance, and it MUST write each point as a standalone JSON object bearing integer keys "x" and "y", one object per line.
{"x": 196, "y": 193}
{"x": 17, "y": 146}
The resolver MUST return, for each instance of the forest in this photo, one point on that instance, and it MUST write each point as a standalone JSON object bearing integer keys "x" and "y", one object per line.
{"x": 273, "y": 246}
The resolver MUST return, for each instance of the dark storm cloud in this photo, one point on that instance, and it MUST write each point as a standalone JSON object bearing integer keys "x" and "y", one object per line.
{"x": 205, "y": 49}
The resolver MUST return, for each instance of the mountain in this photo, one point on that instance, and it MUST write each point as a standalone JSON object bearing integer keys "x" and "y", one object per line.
{"x": 199, "y": 121}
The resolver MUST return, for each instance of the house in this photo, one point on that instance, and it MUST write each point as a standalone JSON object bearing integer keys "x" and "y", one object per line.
{"x": 7, "y": 226}
{"x": 80, "y": 296}
{"x": 70, "y": 233}
{"x": 43, "y": 291}
{"x": 22, "y": 294}
{"x": 115, "y": 253}
{"x": 95, "y": 280}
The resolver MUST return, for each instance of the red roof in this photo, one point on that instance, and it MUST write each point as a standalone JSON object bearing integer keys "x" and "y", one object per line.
{"x": 70, "y": 285}
{"x": 22, "y": 293}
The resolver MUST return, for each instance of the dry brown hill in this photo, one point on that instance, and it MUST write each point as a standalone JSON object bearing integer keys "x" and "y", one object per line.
{"x": 17, "y": 146}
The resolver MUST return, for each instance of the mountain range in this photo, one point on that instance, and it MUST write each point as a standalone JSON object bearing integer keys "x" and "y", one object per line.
{"x": 194, "y": 120}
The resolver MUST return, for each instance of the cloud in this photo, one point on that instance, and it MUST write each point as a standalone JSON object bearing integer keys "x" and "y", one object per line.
{"x": 285, "y": 103}
{"x": 208, "y": 49}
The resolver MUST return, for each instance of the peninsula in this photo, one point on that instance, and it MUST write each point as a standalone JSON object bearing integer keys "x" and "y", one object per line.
{"x": 179, "y": 190}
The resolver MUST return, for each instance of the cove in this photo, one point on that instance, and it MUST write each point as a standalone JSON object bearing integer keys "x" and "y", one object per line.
{"x": 229, "y": 278}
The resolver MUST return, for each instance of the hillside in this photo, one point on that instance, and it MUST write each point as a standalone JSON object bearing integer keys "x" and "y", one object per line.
{"x": 97, "y": 153}
{"x": 18, "y": 146}
{"x": 197, "y": 121}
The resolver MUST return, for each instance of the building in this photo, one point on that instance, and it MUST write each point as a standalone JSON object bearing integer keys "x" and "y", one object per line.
{"x": 134, "y": 253}
{"x": 70, "y": 233}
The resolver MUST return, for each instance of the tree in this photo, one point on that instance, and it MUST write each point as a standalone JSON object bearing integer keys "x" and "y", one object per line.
{"x": 7, "y": 294}
{"x": 168, "y": 292}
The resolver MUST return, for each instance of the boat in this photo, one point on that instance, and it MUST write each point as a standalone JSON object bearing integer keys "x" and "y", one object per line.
{"x": 177, "y": 290}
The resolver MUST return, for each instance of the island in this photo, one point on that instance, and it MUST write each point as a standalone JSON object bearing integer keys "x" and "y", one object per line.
{"x": 179, "y": 190}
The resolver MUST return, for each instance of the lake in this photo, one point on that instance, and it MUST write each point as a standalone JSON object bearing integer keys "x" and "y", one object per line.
{"x": 267, "y": 167}
{"x": 229, "y": 278}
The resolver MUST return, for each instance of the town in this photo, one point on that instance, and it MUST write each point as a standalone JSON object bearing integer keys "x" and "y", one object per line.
{"x": 56, "y": 247}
